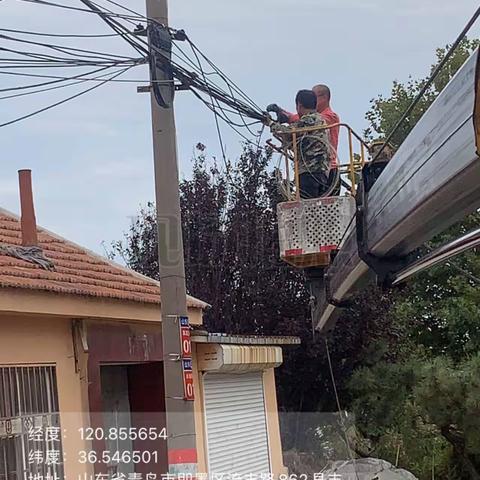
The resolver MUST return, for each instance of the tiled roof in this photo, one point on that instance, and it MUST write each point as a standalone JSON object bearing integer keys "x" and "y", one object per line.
{"x": 77, "y": 270}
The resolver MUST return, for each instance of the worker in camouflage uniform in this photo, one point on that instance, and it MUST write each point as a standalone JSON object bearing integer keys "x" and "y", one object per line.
{"x": 313, "y": 148}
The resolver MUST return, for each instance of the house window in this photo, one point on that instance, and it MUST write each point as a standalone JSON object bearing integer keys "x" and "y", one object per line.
{"x": 30, "y": 435}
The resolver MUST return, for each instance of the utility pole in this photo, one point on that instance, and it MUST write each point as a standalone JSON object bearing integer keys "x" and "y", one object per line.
{"x": 181, "y": 443}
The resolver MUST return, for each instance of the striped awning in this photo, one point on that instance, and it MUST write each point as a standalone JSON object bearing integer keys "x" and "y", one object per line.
{"x": 237, "y": 358}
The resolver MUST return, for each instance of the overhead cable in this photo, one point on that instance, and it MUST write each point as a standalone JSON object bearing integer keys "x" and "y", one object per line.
{"x": 84, "y": 10}
{"x": 56, "y": 104}
{"x": 60, "y": 35}
{"x": 430, "y": 81}
{"x": 65, "y": 83}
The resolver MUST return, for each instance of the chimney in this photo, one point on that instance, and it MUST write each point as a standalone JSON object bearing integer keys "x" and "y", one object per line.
{"x": 28, "y": 221}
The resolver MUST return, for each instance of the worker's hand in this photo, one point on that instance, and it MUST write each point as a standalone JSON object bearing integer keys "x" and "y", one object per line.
{"x": 275, "y": 127}
{"x": 267, "y": 120}
{"x": 273, "y": 107}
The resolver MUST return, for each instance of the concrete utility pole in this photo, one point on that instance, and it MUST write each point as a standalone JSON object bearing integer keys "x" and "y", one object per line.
{"x": 182, "y": 453}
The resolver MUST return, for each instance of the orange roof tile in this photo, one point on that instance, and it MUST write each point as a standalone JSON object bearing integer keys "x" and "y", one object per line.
{"x": 77, "y": 270}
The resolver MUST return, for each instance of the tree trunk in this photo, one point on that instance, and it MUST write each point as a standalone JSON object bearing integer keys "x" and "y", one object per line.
{"x": 456, "y": 439}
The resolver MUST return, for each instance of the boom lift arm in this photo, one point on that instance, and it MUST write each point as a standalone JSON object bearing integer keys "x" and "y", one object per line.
{"x": 431, "y": 182}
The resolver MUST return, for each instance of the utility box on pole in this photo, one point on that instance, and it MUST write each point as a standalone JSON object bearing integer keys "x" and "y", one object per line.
{"x": 182, "y": 453}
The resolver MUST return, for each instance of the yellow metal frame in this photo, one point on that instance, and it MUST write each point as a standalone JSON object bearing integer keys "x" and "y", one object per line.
{"x": 350, "y": 169}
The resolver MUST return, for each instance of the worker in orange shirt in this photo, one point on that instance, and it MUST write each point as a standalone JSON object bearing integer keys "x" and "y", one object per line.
{"x": 323, "y": 95}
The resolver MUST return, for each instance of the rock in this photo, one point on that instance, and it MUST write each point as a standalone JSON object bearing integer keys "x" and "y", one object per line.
{"x": 366, "y": 469}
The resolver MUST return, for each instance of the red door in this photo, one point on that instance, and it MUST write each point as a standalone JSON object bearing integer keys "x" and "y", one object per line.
{"x": 147, "y": 405}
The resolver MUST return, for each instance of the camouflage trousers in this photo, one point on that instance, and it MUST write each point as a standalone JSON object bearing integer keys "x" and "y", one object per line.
{"x": 313, "y": 184}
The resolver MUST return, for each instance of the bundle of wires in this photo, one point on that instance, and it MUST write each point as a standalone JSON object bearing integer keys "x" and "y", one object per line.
{"x": 50, "y": 66}
{"x": 26, "y": 55}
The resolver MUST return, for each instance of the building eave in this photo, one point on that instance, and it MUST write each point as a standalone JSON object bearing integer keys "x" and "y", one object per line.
{"x": 32, "y": 302}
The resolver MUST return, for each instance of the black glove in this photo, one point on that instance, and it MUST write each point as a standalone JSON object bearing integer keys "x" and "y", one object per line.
{"x": 273, "y": 107}
{"x": 282, "y": 117}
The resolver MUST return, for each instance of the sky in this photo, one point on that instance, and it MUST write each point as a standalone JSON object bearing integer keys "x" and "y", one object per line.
{"x": 91, "y": 158}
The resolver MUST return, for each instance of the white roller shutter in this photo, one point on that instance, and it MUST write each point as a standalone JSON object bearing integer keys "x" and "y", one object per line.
{"x": 237, "y": 440}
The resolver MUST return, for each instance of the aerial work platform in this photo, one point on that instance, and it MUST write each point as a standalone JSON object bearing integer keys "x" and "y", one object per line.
{"x": 311, "y": 230}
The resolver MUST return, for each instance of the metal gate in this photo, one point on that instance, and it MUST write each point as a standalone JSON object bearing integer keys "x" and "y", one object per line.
{"x": 237, "y": 440}
{"x": 30, "y": 435}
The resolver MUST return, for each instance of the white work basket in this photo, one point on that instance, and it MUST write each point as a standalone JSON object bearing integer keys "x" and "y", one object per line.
{"x": 310, "y": 229}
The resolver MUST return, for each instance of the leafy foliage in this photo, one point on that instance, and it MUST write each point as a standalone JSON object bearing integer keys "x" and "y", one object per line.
{"x": 386, "y": 111}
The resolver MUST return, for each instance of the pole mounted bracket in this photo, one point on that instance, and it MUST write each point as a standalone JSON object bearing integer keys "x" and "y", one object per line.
{"x": 161, "y": 71}
{"x": 174, "y": 357}
{"x": 383, "y": 267}
{"x": 180, "y": 35}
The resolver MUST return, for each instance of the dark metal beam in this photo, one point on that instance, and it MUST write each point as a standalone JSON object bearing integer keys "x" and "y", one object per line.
{"x": 432, "y": 182}
{"x": 439, "y": 255}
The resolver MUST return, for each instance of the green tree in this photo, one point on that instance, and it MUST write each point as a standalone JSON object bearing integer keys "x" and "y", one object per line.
{"x": 418, "y": 408}
{"x": 386, "y": 111}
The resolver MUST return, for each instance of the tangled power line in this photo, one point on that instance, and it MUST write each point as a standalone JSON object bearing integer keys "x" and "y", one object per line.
{"x": 43, "y": 57}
